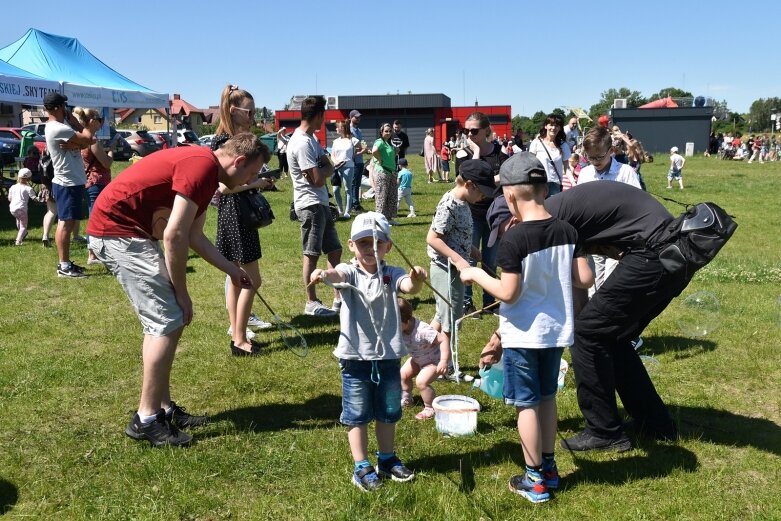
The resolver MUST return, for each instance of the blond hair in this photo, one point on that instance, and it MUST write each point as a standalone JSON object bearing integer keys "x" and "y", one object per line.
{"x": 232, "y": 96}
{"x": 85, "y": 115}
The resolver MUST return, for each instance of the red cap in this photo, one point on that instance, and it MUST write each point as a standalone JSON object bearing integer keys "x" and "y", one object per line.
{"x": 603, "y": 121}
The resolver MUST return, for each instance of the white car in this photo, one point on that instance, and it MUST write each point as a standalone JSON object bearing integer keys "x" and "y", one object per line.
{"x": 206, "y": 141}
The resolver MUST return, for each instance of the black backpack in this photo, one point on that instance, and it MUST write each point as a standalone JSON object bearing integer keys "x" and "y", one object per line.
{"x": 46, "y": 168}
{"x": 693, "y": 239}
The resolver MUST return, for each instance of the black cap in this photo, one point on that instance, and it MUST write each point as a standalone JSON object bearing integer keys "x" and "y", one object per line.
{"x": 403, "y": 161}
{"x": 522, "y": 168}
{"x": 480, "y": 173}
{"x": 497, "y": 214}
{"x": 53, "y": 100}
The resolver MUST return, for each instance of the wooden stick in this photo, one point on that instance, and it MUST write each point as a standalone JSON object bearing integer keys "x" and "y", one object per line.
{"x": 473, "y": 313}
{"x": 426, "y": 282}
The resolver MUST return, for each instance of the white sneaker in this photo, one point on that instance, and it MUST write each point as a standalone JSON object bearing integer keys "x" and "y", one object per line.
{"x": 317, "y": 309}
{"x": 250, "y": 333}
{"x": 346, "y": 215}
{"x": 412, "y": 214}
{"x": 256, "y": 322}
{"x": 337, "y": 305}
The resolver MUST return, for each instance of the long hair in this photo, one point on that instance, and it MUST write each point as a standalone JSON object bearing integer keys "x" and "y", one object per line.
{"x": 345, "y": 128}
{"x": 560, "y": 135}
{"x": 232, "y": 96}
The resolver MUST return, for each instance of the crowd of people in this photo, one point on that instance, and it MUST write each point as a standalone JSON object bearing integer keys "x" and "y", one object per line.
{"x": 756, "y": 147}
{"x": 559, "y": 214}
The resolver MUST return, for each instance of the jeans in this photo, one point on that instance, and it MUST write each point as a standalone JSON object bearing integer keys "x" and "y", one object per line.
{"x": 553, "y": 188}
{"x": 480, "y": 233}
{"x": 346, "y": 173}
{"x": 92, "y": 195}
{"x": 355, "y": 187}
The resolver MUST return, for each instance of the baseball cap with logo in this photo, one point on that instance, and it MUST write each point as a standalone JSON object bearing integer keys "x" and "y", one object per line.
{"x": 366, "y": 224}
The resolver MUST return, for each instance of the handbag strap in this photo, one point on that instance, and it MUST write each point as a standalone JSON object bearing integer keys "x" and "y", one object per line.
{"x": 551, "y": 159}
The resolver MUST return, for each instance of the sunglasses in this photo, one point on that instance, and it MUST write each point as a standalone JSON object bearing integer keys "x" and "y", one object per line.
{"x": 473, "y": 131}
{"x": 597, "y": 159}
{"x": 248, "y": 111}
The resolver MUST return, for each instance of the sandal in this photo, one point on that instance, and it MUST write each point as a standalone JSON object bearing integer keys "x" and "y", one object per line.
{"x": 406, "y": 399}
{"x": 426, "y": 414}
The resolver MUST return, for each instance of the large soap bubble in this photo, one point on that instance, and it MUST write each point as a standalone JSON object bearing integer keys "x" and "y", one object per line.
{"x": 699, "y": 314}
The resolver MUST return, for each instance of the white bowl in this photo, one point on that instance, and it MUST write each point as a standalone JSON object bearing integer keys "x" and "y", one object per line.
{"x": 455, "y": 415}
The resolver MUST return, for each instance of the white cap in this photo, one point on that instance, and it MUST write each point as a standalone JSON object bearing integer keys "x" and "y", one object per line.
{"x": 674, "y": 150}
{"x": 24, "y": 172}
{"x": 367, "y": 223}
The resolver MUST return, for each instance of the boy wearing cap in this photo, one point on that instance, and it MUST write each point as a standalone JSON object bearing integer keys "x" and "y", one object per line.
{"x": 539, "y": 268}
{"x": 676, "y": 168}
{"x": 450, "y": 239}
{"x": 370, "y": 346}
{"x": 405, "y": 185}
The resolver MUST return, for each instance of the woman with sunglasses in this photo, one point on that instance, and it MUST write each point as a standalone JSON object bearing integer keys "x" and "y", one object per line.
{"x": 236, "y": 242}
{"x": 97, "y": 164}
{"x": 552, "y": 150}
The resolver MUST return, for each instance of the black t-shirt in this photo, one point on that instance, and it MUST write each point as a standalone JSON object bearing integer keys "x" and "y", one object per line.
{"x": 539, "y": 238}
{"x": 495, "y": 159}
{"x": 400, "y": 142}
{"x": 608, "y": 213}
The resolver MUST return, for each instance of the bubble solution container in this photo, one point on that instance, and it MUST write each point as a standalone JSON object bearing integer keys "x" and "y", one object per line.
{"x": 491, "y": 380}
{"x": 455, "y": 415}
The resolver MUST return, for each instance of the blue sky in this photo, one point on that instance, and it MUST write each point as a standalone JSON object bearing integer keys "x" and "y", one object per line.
{"x": 531, "y": 55}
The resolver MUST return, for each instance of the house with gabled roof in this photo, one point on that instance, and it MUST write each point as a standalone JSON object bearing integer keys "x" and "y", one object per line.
{"x": 187, "y": 116}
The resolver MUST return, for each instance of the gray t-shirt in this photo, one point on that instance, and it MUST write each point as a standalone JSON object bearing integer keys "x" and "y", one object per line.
{"x": 358, "y": 338}
{"x": 68, "y": 165}
{"x": 452, "y": 220}
{"x": 303, "y": 151}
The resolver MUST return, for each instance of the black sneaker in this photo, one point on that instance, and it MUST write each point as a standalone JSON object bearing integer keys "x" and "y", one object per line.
{"x": 470, "y": 308}
{"x": 183, "y": 419}
{"x": 584, "y": 441}
{"x": 70, "y": 271}
{"x": 393, "y": 468}
{"x": 78, "y": 268}
{"x": 159, "y": 433}
{"x": 367, "y": 479}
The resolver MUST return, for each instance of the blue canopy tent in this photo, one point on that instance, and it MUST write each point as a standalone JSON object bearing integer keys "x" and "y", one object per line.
{"x": 20, "y": 86}
{"x": 85, "y": 79}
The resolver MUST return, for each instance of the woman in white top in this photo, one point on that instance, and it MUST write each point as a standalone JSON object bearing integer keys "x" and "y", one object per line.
{"x": 342, "y": 153}
{"x": 551, "y": 149}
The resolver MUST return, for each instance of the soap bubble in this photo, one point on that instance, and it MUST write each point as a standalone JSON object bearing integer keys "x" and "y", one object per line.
{"x": 699, "y": 314}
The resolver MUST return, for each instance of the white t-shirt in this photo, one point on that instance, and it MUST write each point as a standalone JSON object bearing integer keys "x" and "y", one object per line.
{"x": 68, "y": 165}
{"x": 617, "y": 172}
{"x": 19, "y": 196}
{"x": 537, "y": 147}
{"x": 676, "y": 161}
{"x": 343, "y": 149}
{"x": 303, "y": 151}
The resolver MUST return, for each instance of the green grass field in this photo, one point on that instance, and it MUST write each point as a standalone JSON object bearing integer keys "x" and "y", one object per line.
{"x": 70, "y": 379}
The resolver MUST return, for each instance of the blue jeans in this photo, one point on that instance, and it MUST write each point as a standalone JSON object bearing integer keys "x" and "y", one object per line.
{"x": 530, "y": 375}
{"x": 92, "y": 195}
{"x": 480, "y": 233}
{"x": 355, "y": 187}
{"x": 371, "y": 390}
{"x": 346, "y": 173}
{"x": 553, "y": 188}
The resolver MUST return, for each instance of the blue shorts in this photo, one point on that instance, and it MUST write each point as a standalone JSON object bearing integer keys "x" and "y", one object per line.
{"x": 446, "y": 166}
{"x": 362, "y": 399}
{"x": 530, "y": 375}
{"x": 70, "y": 200}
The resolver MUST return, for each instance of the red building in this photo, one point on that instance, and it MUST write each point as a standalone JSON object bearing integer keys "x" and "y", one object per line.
{"x": 416, "y": 112}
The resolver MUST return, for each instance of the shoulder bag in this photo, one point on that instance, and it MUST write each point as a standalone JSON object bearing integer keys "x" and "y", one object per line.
{"x": 551, "y": 159}
{"x": 254, "y": 209}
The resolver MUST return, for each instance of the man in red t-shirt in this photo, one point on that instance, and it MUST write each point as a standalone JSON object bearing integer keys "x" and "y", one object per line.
{"x": 165, "y": 197}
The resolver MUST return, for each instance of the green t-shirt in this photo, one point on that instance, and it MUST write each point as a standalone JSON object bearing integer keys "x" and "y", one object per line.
{"x": 387, "y": 154}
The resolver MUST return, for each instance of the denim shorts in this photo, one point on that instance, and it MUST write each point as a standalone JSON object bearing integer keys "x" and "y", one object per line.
{"x": 318, "y": 233}
{"x": 139, "y": 266}
{"x": 70, "y": 200}
{"x": 363, "y": 400}
{"x": 530, "y": 375}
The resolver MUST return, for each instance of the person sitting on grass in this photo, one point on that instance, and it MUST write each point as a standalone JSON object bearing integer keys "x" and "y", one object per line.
{"x": 429, "y": 357}
{"x": 539, "y": 268}
{"x": 370, "y": 346}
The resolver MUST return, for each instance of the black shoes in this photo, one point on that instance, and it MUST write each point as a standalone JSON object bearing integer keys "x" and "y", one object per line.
{"x": 584, "y": 441}
{"x": 160, "y": 433}
{"x": 470, "y": 308}
{"x": 257, "y": 349}
{"x": 182, "y": 419}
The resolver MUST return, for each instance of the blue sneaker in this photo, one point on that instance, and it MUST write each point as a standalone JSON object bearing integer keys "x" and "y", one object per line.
{"x": 550, "y": 477}
{"x": 393, "y": 468}
{"x": 531, "y": 487}
{"x": 367, "y": 479}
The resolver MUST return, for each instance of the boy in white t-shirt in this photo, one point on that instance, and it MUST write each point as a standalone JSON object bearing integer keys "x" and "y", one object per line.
{"x": 676, "y": 168}
{"x": 539, "y": 268}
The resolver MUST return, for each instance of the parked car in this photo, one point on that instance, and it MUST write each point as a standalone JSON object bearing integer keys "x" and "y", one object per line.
{"x": 162, "y": 138}
{"x": 206, "y": 141}
{"x": 38, "y": 128}
{"x": 9, "y": 149}
{"x": 140, "y": 141}
{"x": 122, "y": 149}
{"x": 16, "y": 133}
{"x": 187, "y": 137}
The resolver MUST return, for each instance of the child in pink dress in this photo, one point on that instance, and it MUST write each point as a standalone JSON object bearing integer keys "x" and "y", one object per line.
{"x": 19, "y": 196}
{"x": 429, "y": 356}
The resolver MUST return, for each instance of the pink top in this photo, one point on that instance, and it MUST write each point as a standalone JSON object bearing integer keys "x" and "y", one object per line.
{"x": 422, "y": 344}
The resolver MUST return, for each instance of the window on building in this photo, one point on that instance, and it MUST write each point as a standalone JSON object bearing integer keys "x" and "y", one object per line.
{"x": 158, "y": 119}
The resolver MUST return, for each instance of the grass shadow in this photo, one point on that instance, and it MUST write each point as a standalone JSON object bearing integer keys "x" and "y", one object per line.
{"x": 727, "y": 428}
{"x": 9, "y": 495}
{"x": 320, "y": 412}
{"x": 681, "y": 347}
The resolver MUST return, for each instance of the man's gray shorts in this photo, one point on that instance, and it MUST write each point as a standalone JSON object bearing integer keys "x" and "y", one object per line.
{"x": 318, "y": 233}
{"x": 139, "y": 266}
